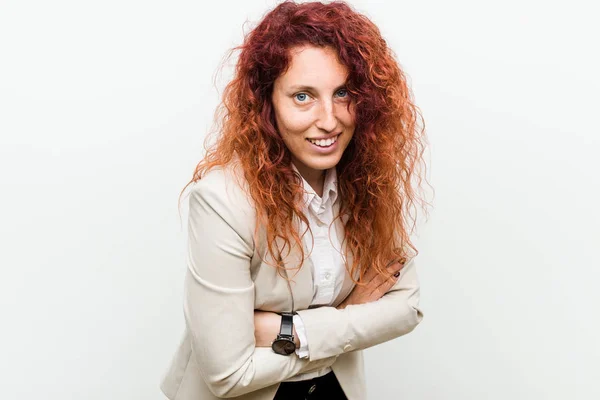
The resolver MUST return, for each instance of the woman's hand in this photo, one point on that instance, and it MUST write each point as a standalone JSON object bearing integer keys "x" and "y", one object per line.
{"x": 376, "y": 285}
{"x": 266, "y": 328}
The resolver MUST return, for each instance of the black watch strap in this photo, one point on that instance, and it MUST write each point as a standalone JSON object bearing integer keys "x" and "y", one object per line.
{"x": 287, "y": 324}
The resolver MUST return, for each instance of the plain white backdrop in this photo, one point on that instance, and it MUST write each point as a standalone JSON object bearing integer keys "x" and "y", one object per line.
{"x": 103, "y": 110}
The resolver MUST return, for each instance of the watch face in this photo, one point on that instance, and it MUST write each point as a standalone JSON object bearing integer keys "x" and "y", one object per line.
{"x": 284, "y": 346}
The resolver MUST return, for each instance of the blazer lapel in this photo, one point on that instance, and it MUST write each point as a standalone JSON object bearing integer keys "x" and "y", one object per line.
{"x": 301, "y": 280}
{"x": 340, "y": 230}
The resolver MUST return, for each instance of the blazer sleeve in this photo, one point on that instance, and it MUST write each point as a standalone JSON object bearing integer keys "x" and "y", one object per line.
{"x": 331, "y": 332}
{"x": 219, "y": 294}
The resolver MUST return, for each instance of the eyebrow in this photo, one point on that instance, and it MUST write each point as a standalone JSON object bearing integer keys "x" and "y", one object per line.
{"x": 312, "y": 89}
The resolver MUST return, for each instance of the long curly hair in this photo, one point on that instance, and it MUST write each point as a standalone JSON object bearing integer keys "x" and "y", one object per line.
{"x": 376, "y": 171}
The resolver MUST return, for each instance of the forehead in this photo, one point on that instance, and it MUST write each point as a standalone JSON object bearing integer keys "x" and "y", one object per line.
{"x": 314, "y": 66}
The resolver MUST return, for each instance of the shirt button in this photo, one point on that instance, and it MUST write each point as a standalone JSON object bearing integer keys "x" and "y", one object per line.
{"x": 347, "y": 347}
{"x": 327, "y": 276}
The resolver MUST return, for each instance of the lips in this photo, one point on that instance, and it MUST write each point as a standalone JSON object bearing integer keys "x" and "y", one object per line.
{"x": 324, "y": 150}
{"x": 327, "y": 137}
{"x": 324, "y": 142}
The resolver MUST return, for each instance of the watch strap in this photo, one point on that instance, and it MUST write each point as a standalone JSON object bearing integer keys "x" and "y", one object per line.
{"x": 287, "y": 324}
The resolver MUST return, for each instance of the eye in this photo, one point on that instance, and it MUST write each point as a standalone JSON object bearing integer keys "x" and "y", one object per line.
{"x": 301, "y": 97}
{"x": 342, "y": 93}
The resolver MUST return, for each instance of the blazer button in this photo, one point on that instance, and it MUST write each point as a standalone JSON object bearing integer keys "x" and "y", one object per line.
{"x": 347, "y": 347}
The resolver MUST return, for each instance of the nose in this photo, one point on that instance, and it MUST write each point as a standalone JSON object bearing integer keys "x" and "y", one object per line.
{"x": 326, "y": 119}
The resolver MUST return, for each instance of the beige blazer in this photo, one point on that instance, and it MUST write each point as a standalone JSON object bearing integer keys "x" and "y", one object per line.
{"x": 226, "y": 281}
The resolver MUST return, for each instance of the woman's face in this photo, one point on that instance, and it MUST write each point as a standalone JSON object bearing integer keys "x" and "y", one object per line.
{"x": 310, "y": 102}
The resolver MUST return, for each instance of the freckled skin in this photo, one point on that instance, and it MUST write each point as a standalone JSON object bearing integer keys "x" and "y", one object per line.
{"x": 321, "y": 111}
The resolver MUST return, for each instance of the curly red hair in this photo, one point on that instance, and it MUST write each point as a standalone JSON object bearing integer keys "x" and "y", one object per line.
{"x": 376, "y": 170}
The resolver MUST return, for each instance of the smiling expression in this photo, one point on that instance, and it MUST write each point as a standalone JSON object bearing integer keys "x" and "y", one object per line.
{"x": 313, "y": 110}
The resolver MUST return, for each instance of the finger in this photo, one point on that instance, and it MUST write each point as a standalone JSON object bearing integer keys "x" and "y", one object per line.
{"x": 383, "y": 288}
{"x": 393, "y": 271}
{"x": 370, "y": 275}
{"x": 396, "y": 266}
{"x": 386, "y": 282}
{"x": 392, "y": 267}
{"x": 379, "y": 284}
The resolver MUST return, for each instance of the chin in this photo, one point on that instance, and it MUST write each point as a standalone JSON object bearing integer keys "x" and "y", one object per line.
{"x": 323, "y": 163}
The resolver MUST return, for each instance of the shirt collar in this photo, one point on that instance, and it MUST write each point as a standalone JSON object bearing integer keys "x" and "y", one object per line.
{"x": 330, "y": 189}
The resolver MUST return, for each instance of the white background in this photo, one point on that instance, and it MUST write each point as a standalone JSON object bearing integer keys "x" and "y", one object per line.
{"x": 103, "y": 110}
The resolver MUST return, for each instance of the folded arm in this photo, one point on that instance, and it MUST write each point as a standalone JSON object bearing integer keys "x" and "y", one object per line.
{"x": 331, "y": 331}
{"x": 219, "y": 295}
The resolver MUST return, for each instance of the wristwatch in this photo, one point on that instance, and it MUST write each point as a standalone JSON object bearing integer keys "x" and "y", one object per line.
{"x": 284, "y": 343}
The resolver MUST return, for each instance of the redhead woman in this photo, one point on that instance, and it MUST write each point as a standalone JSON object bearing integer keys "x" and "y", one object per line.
{"x": 299, "y": 255}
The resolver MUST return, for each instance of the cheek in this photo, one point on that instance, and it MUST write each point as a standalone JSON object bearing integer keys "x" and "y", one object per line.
{"x": 347, "y": 115}
{"x": 294, "y": 122}
{"x": 350, "y": 116}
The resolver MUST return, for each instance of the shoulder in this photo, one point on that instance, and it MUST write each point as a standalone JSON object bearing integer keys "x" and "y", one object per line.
{"x": 224, "y": 182}
{"x": 222, "y": 191}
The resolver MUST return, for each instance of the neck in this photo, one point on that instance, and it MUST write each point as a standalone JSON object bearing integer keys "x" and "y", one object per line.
{"x": 317, "y": 183}
{"x": 315, "y": 178}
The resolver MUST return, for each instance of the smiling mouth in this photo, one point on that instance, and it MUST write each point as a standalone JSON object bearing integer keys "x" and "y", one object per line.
{"x": 325, "y": 142}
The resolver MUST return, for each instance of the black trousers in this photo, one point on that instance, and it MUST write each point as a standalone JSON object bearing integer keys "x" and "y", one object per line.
{"x": 321, "y": 388}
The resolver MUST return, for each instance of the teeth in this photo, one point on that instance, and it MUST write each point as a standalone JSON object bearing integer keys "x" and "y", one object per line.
{"x": 324, "y": 142}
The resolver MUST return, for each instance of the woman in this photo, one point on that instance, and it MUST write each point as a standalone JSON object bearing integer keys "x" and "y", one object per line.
{"x": 299, "y": 250}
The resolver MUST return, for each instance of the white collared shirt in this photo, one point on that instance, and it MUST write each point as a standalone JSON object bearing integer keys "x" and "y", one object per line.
{"x": 328, "y": 267}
